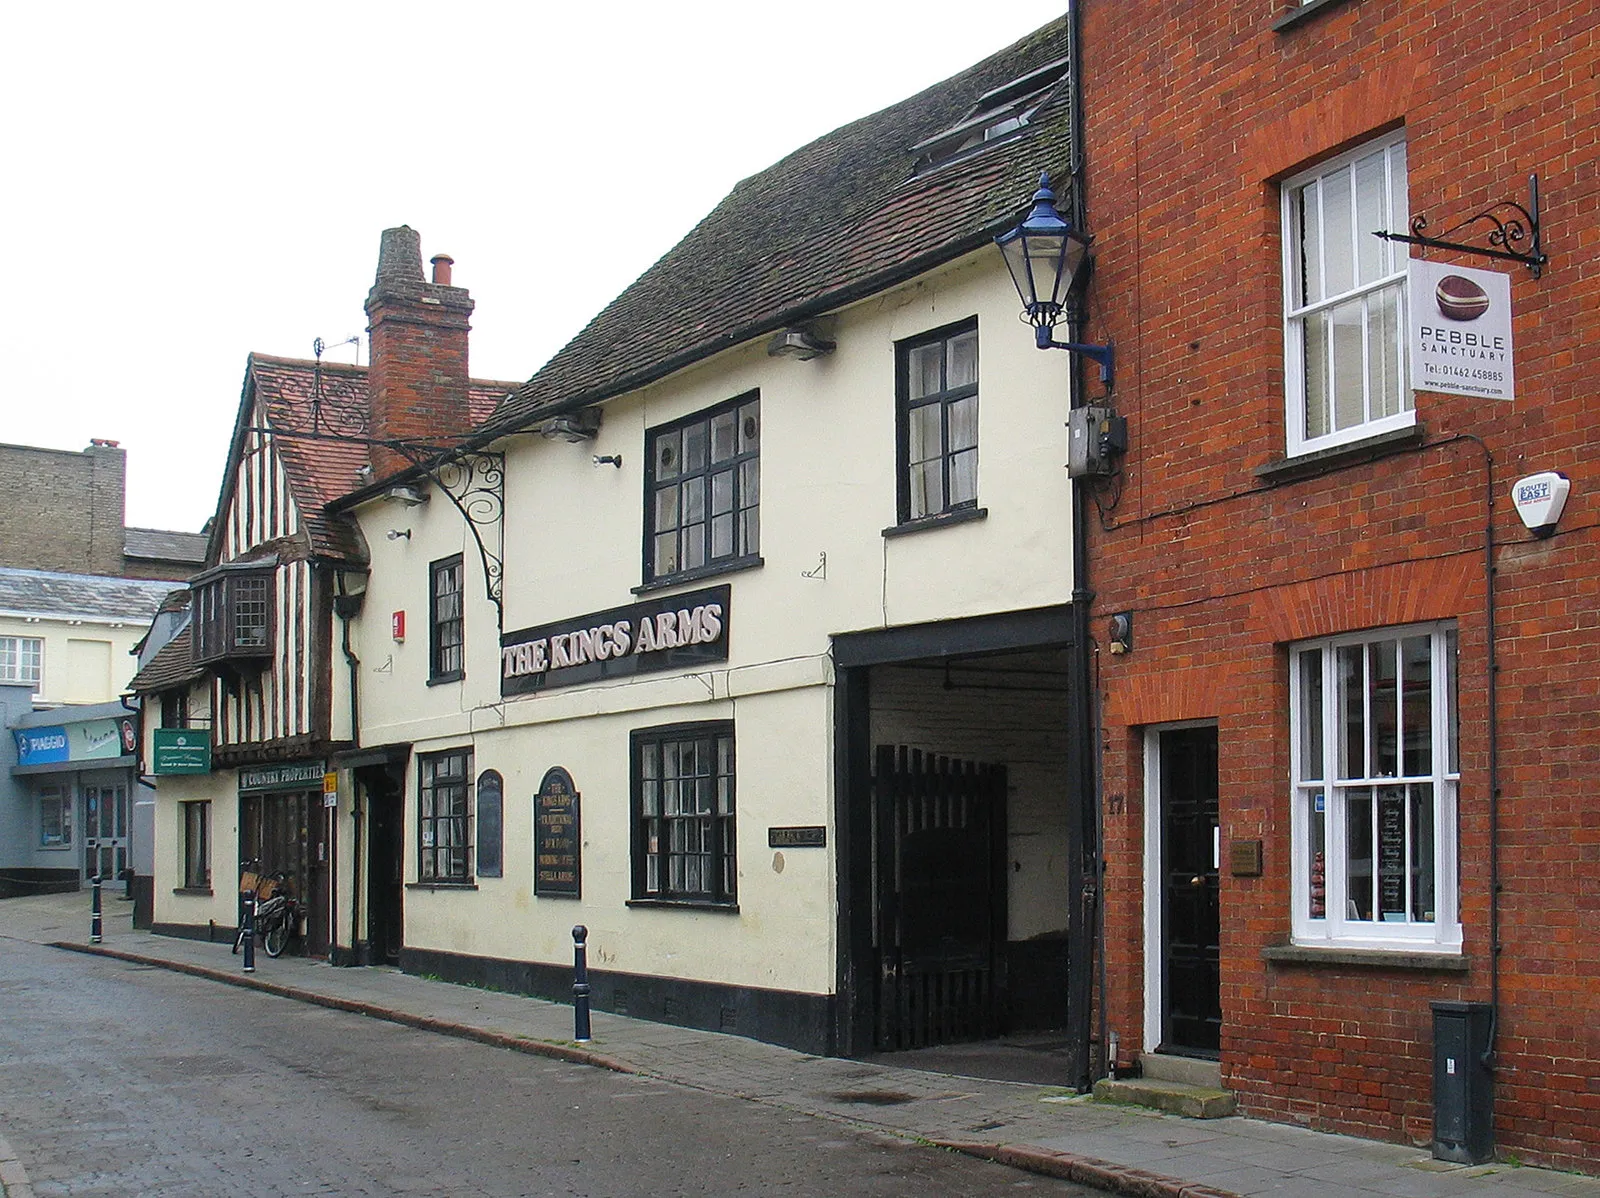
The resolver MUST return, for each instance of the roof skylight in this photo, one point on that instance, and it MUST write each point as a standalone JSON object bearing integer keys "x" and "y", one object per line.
{"x": 999, "y": 113}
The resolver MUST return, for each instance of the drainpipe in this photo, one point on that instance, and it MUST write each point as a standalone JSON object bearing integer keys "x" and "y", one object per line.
{"x": 346, "y": 606}
{"x": 1086, "y": 939}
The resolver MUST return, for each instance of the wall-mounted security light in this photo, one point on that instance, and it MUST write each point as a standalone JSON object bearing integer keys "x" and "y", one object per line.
{"x": 407, "y": 495}
{"x": 801, "y": 342}
{"x": 1540, "y": 500}
{"x": 1046, "y": 255}
{"x": 572, "y": 427}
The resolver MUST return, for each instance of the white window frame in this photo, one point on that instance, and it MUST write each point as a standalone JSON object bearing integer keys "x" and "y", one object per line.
{"x": 1335, "y": 929}
{"x": 22, "y": 659}
{"x": 1338, "y": 172}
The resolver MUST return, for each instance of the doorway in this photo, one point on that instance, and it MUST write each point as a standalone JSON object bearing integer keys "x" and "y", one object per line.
{"x": 385, "y": 864}
{"x": 105, "y": 829}
{"x": 1183, "y": 869}
{"x": 287, "y": 831}
{"x": 941, "y": 900}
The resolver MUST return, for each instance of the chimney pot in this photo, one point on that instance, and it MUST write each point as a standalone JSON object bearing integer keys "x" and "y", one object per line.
{"x": 441, "y": 269}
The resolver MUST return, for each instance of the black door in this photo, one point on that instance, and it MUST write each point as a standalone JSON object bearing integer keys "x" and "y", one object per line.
{"x": 1191, "y": 924}
{"x": 385, "y": 841}
{"x": 941, "y": 898}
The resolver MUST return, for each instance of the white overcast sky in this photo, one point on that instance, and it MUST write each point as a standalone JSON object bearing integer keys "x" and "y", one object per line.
{"x": 185, "y": 183}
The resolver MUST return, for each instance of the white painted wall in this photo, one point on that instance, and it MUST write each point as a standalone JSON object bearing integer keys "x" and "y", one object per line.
{"x": 573, "y": 546}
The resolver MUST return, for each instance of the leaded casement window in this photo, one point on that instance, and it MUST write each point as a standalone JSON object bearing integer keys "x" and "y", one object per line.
{"x": 445, "y": 629}
{"x": 1375, "y": 774}
{"x": 1346, "y": 372}
{"x": 683, "y": 802}
{"x": 21, "y": 659}
{"x": 703, "y": 492}
{"x": 444, "y": 816}
{"x": 55, "y": 818}
{"x": 233, "y": 616}
{"x": 937, "y": 421}
{"x": 196, "y": 845}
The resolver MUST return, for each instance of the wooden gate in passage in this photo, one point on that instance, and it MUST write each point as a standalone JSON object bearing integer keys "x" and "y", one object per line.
{"x": 940, "y": 852}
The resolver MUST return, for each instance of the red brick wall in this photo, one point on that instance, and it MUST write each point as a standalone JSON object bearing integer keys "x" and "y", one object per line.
{"x": 1194, "y": 111}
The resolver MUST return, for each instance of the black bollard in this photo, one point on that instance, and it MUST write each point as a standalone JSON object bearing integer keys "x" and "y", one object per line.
{"x": 94, "y": 912}
{"x": 250, "y": 935}
{"x": 580, "y": 984}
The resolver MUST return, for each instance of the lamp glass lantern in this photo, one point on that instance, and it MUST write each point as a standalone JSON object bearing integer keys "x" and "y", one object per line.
{"x": 1045, "y": 256}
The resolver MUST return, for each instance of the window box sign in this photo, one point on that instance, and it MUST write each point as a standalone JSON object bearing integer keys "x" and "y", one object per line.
{"x": 181, "y": 751}
{"x": 1460, "y": 330}
{"x": 293, "y": 775}
{"x": 659, "y": 634}
{"x": 557, "y": 837}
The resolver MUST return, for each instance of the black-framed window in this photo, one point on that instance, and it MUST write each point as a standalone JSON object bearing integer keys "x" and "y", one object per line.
{"x": 445, "y": 631}
{"x": 175, "y": 709}
{"x": 703, "y": 491}
{"x": 936, "y": 388}
{"x": 683, "y": 804}
{"x": 196, "y": 845}
{"x": 444, "y": 816}
{"x": 233, "y": 616}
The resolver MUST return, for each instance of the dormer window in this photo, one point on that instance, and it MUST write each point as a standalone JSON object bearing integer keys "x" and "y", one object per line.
{"x": 998, "y": 114}
{"x": 233, "y": 615}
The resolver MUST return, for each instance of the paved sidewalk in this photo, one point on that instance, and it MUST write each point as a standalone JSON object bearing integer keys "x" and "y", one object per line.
{"x": 1040, "y": 1128}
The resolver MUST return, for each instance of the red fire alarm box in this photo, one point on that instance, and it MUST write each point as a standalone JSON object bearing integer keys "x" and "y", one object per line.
{"x": 397, "y": 623}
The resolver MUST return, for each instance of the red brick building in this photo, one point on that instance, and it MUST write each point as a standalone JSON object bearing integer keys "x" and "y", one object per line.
{"x": 1343, "y": 639}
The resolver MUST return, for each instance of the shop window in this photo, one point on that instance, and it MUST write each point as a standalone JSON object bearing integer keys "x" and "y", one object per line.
{"x": 196, "y": 845}
{"x": 937, "y": 422}
{"x": 683, "y": 803}
{"x": 233, "y": 617}
{"x": 21, "y": 659}
{"x": 444, "y": 816}
{"x": 703, "y": 492}
{"x": 445, "y": 638}
{"x": 55, "y": 818}
{"x": 1374, "y": 747}
{"x": 1346, "y": 374}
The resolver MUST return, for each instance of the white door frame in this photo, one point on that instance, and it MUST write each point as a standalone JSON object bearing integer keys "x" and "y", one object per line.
{"x": 1155, "y": 965}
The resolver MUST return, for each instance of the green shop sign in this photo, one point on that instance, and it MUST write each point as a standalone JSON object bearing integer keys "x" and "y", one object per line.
{"x": 296, "y": 775}
{"x": 181, "y": 751}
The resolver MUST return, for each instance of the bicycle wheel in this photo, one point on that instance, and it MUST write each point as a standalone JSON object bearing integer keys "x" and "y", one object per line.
{"x": 276, "y": 937}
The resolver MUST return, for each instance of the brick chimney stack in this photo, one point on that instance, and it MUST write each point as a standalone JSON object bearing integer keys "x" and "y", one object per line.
{"x": 417, "y": 379}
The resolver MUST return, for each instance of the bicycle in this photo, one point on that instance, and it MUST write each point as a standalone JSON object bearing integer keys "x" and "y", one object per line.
{"x": 276, "y": 911}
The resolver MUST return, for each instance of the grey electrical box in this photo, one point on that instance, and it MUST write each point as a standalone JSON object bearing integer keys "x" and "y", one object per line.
{"x": 1463, "y": 1087}
{"x": 1096, "y": 438}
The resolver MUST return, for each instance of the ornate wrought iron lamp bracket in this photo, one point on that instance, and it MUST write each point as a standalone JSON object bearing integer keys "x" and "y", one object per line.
{"x": 1503, "y": 232}
{"x": 474, "y": 482}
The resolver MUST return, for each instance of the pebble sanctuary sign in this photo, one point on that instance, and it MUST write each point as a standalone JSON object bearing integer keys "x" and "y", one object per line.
{"x": 659, "y": 634}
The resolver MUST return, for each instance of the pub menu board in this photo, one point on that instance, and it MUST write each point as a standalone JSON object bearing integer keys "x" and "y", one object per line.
{"x": 556, "y": 837}
{"x": 1392, "y": 855}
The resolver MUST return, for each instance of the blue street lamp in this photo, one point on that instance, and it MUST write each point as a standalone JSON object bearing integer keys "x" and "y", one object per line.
{"x": 1045, "y": 254}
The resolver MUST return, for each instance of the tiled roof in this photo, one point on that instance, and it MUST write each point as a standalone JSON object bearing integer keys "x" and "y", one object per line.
{"x": 56, "y": 596}
{"x": 836, "y": 220}
{"x": 161, "y": 545}
{"x": 321, "y": 471}
{"x": 173, "y": 665}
